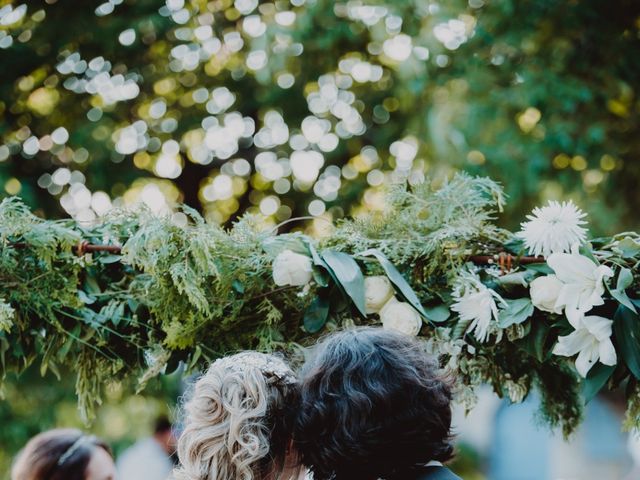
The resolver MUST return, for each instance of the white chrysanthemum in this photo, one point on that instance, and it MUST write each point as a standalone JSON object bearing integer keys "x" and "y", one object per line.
{"x": 554, "y": 228}
{"x": 475, "y": 302}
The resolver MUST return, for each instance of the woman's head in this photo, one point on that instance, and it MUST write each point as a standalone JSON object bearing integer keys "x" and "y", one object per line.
{"x": 372, "y": 406}
{"x": 64, "y": 454}
{"x": 238, "y": 420}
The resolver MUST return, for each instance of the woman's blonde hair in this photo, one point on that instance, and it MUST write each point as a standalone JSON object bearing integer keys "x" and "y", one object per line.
{"x": 237, "y": 421}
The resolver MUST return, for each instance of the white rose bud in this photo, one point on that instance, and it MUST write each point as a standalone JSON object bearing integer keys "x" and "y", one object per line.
{"x": 401, "y": 317}
{"x": 377, "y": 292}
{"x": 290, "y": 268}
{"x": 544, "y": 293}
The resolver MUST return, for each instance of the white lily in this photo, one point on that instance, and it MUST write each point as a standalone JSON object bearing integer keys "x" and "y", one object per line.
{"x": 583, "y": 283}
{"x": 591, "y": 341}
{"x": 475, "y": 302}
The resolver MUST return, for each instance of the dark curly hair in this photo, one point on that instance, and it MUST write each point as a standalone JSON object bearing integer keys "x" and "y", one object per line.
{"x": 373, "y": 405}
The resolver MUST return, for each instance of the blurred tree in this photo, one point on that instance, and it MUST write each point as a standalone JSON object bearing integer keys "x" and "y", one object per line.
{"x": 309, "y": 106}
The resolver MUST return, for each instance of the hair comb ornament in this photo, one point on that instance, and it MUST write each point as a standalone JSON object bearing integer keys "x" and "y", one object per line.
{"x": 269, "y": 365}
{"x": 80, "y": 442}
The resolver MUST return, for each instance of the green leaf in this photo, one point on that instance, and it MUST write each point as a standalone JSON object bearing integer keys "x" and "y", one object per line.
{"x": 296, "y": 242}
{"x": 627, "y": 247}
{"x": 438, "y": 313}
{"x": 107, "y": 259}
{"x": 625, "y": 279}
{"x": 515, "y": 245}
{"x": 399, "y": 281}
{"x": 516, "y": 311}
{"x": 238, "y": 286}
{"x": 596, "y": 379}
{"x": 540, "y": 268}
{"x": 587, "y": 251}
{"x": 534, "y": 343}
{"x": 626, "y": 326}
{"x": 86, "y": 299}
{"x": 348, "y": 274}
{"x": 316, "y": 314}
{"x": 516, "y": 278}
{"x": 320, "y": 275}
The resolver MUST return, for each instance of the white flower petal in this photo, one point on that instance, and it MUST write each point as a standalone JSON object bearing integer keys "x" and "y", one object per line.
{"x": 572, "y": 268}
{"x": 475, "y": 302}
{"x": 545, "y": 292}
{"x": 290, "y": 268}
{"x": 586, "y": 359}
{"x": 599, "y": 327}
{"x": 607, "y": 353}
{"x": 573, "y": 343}
{"x": 553, "y": 228}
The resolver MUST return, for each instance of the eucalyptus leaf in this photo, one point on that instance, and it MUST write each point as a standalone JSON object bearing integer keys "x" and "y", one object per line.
{"x": 438, "y": 313}
{"x": 348, "y": 274}
{"x": 399, "y": 281}
{"x": 627, "y": 247}
{"x": 625, "y": 279}
{"x": 86, "y": 299}
{"x": 516, "y": 311}
{"x": 296, "y": 242}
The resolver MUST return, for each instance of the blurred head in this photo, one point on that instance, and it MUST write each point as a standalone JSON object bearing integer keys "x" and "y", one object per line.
{"x": 372, "y": 406}
{"x": 163, "y": 433}
{"x": 238, "y": 421}
{"x": 64, "y": 454}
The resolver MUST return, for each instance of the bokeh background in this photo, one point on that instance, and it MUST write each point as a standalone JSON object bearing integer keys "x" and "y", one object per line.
{"x": 307, "y": 108}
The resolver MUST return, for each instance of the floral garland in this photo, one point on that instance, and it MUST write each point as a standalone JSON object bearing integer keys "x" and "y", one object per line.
{"x": 566, "y": 324}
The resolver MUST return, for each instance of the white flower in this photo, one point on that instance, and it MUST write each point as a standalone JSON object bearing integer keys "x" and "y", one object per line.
{"x": 401, "y": 317}
{"x": 377, "y": 291}
{"x": 553, "y": 228}
{"x": 591, "y": 341}
{"x": 583, "y": 283}
{"x": 544, "y": 293}
{"x": 290, "y": 268}
{"x": 476, "y": 303}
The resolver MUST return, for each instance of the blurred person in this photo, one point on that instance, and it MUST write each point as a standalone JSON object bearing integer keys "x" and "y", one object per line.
{"x": 149, "y": 458}
{"x": 64, "y": 454}
{"x": 238, "y": 419}
{"x": 373, "y": 406}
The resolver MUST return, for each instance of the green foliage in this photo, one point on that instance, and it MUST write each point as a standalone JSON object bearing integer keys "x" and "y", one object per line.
{"x": 186, "y": 292}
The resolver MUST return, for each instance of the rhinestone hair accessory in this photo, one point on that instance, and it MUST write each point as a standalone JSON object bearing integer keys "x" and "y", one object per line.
{"x": 269, "y": 365}
{"x": 80, "y": 442}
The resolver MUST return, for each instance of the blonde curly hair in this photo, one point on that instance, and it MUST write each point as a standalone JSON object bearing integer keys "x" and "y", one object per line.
{"x": 237, "y": 421}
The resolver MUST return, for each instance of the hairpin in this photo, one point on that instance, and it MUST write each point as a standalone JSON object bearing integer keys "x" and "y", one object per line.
{"x": 83, "y": 440}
